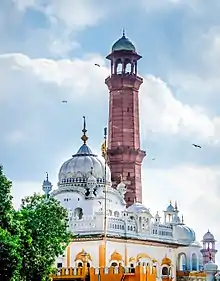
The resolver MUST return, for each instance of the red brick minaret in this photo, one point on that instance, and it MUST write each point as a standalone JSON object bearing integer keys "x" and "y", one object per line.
{"x": 124, "y": 154}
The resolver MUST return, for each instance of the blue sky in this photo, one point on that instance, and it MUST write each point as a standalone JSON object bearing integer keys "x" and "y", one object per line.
{"x": 47, "y": 54}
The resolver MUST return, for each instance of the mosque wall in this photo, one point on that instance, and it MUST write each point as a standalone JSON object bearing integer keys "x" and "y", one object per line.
{"x": 129, "y": 253}
{"x": 189, "y": 258}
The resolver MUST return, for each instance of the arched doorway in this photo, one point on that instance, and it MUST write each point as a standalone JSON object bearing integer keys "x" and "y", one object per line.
{"x": 194, "y": 262}
{"x": 181, "y": 262}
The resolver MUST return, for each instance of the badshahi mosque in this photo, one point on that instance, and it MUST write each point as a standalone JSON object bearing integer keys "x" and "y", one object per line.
{"x": 117, "y": 237}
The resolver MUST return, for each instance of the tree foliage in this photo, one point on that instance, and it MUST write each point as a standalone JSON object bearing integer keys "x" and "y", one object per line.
{"x": 45, "y": 221}
{"x": 32, "y": 237}
{"x": 10, "y": 260}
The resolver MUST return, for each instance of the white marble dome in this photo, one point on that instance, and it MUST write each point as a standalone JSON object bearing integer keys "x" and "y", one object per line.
{"x": 184, "y": 234}
{"x": 138, "y": 208}
{"x": 77, "y": 169}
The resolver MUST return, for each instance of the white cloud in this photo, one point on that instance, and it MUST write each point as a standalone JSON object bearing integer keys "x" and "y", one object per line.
{"x": 73, "y": 13}
{"x": 196, "y": 190}
{"x": 75, "y": 75}
{"x": 22, "y": 5}
{"x": 26, "y": 80}
{"x": 164, "y": 4}
{"x": 168, "y": 115}
{"x": 200, "y": 84}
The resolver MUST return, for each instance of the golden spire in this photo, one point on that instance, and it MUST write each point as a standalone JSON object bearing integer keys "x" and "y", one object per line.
{"x": 104, "y": 144}
{"x": 84, "y": 137}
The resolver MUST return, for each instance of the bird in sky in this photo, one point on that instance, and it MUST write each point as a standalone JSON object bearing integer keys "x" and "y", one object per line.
{"x": 196, "y": 145}
{"x": 64, "y": 101}
{"x": 153, "y": 159}
{"x": 96, "y": 64}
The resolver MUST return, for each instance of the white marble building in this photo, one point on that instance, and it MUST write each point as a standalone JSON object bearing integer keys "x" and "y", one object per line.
{"x": 81, "y": 190}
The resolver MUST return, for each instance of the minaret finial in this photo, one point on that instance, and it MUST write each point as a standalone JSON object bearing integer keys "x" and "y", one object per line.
{"x": 170, "y": 202}
{"x": 121, "y": 178}
{"x": 47, "y": 177}
{"x": 91, "y": 170}
{"x": 84, "y": 137}
{"x": 123, "y": 32}
{"x": 176, "y": 208}
{"x": 182, "y": 219}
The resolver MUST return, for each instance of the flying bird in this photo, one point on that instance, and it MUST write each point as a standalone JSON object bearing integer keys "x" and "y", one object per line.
{"x": 196, "y": 145}
{"x": 100, "y": 202}
{"x": 153, "y": 159}
{"x": 96, "y": 64}
{"x": 64, "y": 101}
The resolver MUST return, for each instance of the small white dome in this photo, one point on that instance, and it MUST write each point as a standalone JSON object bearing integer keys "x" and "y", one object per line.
{"x": 170, "y": 208}
{"x": 138, "y": 208}
{"x": 78, "y": 168}
{"x": 208, "y": 236}
{"x": 184, "y": 234}
{"x": 210, "y": 267}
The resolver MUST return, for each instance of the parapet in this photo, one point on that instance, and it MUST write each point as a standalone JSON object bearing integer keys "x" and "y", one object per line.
{"x": 107, "y": 273}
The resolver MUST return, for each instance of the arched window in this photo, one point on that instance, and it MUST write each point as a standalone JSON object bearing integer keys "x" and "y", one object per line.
{"x": 78, "y": 212}
{"x": 114, "y": 264}
{"x": 80, "y": 264}
{"x": 116, "y": 214}
{"x": 182, "y": 261}
{"x": 165, "y": 271}
{"x": 118, "y": 67}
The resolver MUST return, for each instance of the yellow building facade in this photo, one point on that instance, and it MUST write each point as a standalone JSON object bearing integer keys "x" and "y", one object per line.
{"x": 130, "y": 259}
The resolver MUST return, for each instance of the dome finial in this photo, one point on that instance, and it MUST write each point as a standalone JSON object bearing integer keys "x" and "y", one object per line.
{"x": 47, "y": 177}
{"x": 91, "y": 171}
{"x": 84, "y": 137}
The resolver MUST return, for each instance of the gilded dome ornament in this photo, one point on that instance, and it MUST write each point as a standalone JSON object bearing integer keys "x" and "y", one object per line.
{"x": 76, "y": 170}
{"x": 166, "y": 261}
{"x": 84, "y": 137}
{"x": 83, "y": 255}
{"x": 143, "y": 256}
{"x": 131, "y": 259}
{"x": 116, "y": 256}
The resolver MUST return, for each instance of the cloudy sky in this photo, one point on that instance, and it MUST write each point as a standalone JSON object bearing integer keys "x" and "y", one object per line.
{"x": 47, "y": 54}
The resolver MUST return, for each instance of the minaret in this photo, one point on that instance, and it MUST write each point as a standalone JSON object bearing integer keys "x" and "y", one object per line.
{"x": 208, "y": 248}
{"x": 124, "y": 154}
{"x": 47, "y": 186}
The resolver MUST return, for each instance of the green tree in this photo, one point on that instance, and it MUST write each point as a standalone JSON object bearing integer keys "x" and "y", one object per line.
{"x": 10, "y": 260}
{"x": 45, "y": 222}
